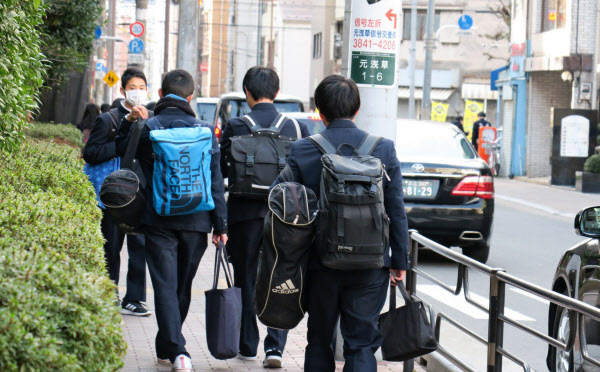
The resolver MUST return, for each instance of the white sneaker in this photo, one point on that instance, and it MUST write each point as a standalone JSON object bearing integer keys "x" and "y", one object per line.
{"x": 182, "y": 363}
{"x": 243, "y": 357}
{"x": 273, "y": 359}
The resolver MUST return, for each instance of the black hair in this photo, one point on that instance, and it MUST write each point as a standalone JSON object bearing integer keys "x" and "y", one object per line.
{"x": 90, "y": 114}
{"x": 481, "y": 114}
{"x": 105, "y": 107}
{"x": 459, "y": 118}
{"x": 337, "y": 98}
{"x": 261, "y": 82}
{"x": 179, "y": 83}
{"x": 130, "y": 73}
{"x": 116, "y": 103}
{"x": 151, "y": 105}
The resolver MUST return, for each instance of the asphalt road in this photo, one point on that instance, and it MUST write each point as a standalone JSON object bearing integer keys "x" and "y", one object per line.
{"x": 528, "y": 241}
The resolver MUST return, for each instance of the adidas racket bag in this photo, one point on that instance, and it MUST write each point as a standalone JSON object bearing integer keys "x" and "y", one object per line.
{"x": 280, "y": 294}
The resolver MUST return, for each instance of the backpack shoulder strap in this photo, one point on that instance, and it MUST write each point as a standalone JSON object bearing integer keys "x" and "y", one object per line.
{"x": 113, "y": 114}
{"x": 297, "y": 126}
{"x": 277, "y": 123}
{"x": 153, "y": 123}
{"x": 322, "y": 143}
{"x": 134, "y": 139}
{"x": 251, "y": 123}
{"x": 368, "y": 144}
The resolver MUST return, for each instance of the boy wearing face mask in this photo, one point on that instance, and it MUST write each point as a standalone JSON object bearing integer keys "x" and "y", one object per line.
{"x": 99, "y": 149}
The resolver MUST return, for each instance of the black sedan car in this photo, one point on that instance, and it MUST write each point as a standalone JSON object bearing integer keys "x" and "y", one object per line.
{"x": 578, "y": 276}
{"x": 448, "y": 188}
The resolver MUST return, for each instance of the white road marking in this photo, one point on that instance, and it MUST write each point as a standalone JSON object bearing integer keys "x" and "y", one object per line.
{"x": 532, "y": 296}
{"x": 540, "y": 207}
{"x": 460, "y": 303}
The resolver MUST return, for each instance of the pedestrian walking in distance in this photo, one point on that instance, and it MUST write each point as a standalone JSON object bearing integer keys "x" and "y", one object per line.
{"x": 476, "y": 125}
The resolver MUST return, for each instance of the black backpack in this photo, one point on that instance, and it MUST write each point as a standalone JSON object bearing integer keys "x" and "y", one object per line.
{"x": 123, "y": 191}
{"x": 353, "y": 228}
{"x": 288, "y": 234}
{"x": 255, "y": 160}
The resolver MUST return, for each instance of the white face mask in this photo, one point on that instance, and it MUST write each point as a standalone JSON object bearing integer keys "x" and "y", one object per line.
{"x": 138, "y": 96}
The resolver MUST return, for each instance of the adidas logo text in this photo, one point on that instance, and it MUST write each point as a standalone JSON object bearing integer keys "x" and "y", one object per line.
{"x": 286, "y": 288}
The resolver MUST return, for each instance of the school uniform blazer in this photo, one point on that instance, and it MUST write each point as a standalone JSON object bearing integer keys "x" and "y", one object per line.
{"x": 263, "y": 114}
{"x": 201, "y": 221}
{"x": 305, "y": 167}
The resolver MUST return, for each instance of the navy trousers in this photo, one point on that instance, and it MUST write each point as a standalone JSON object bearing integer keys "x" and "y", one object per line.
{"x": 173, "y": 259}
{"x": 356, "y": 297}
{"x": 243, "y": 246}
{"x": 136, "y": 267}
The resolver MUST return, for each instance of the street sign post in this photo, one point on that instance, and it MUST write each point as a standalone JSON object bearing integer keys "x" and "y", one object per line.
{"x": 136, "y": 46}
{"x": 374, "y": 42}
{"x": 111, "y": 79}
{"x": 137, "y": 29}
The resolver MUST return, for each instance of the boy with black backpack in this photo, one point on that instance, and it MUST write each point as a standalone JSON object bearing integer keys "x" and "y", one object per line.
{"x": 361, "y": 214}
{"x": 255, "y": 149}
{"x": 180, "y": 159}
{"x": 99, "y": 149}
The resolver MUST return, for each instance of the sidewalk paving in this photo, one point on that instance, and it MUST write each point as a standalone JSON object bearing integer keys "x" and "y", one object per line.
{"x": 139, "y": 333}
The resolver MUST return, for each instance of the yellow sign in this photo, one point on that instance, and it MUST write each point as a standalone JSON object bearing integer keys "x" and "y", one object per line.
{"x": 472, "y": 108}
{"x": 111, "y": 79}
{"x": 439, "y": 111}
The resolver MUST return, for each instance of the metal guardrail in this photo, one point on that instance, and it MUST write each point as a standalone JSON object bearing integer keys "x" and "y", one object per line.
{"x": 494, "y": 341}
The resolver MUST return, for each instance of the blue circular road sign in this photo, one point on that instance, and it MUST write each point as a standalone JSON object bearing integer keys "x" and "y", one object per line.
{"x": 136, "y": 46}
{"x": 100, "y": 67}
{"x": 465, "y": 22}
{"x": 97, "y": 32}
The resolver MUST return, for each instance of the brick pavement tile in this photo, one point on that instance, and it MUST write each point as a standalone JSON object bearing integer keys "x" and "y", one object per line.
{"x": 139, "y": 333}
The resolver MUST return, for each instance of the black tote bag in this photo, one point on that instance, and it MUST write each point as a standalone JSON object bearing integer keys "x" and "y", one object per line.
{"x": 223, "y": 312}
{"x": 407, "y": 332}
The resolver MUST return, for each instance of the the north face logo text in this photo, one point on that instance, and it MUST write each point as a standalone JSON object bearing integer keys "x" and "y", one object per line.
{"x": 286, "y": 288}
{"x": 182, "y": 178}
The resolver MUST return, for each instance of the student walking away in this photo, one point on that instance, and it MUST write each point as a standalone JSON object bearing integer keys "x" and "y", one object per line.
{"x": 476, "y": 125}
{"x": 458, "y": 122}
{"x": 252, "y": 166}
{"x": 182, "y": 209}
{"x": 99, "y": 149}
{"x": 350, "y": 269}
{"x": 105, "y": 107}
{"x": 91, "y": 112}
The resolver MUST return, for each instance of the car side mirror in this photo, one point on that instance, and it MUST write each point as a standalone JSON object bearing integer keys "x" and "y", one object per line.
{"x": 587, "y": 222}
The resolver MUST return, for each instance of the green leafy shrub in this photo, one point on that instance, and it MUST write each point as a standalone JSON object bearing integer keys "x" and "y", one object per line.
{"x": 592, "y": 164}
{"x": 21, "y": 68}
{"x": 57, "y": 306}
{"x": 63, "y": 133}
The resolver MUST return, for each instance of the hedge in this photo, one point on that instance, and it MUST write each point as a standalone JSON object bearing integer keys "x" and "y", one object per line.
{"x": 57, "y": 306}
{"x": 68, "y": 134}
{"x": 592, "y": 164}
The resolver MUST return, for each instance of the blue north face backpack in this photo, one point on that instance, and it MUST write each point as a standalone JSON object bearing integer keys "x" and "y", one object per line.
{"x": 182, "y": 179}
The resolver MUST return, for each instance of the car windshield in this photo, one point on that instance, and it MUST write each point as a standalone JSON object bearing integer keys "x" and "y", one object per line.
{"x": 206, "y": 111}
{"x": 428, "y": 141}
{"x": 287, "y": 106}
{"x": 314, "y": 126}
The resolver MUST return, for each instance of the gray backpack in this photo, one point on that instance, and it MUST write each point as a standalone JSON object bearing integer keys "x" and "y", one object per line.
{"x": 353, "y": 228}
{"x": 255, "y": 160}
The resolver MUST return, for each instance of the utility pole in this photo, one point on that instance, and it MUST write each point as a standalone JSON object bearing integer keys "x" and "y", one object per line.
{"x": 187, "y": 43}
{"x": 141, "y": 7}
{"x": 167, "y": 36}
{"x": 271, "y": 62}
{"x": 429, "y": 46}
{"x": 373, "y": 66}
{"x": 112, "y": 28}
{"x": 412, "y": 60}
{"x": 259, "y": 33}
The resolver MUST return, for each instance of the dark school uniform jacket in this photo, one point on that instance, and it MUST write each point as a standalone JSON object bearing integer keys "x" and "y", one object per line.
{"x": 263, "y": 114}
{"x": 201, "y": 221}
{"x": 100, "y": 146}
{"x": 476, "y": 125}
{"x": 305, "y": 166}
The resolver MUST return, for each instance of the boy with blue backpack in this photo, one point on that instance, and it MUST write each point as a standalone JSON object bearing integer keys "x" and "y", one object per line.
{"x": 180, "y": 160}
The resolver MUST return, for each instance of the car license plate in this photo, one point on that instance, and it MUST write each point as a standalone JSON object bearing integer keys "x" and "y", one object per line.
{"x": 421, "y": 189}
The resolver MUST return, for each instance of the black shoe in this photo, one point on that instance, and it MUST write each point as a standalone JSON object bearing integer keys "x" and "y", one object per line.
{"x": 135, "y": 308}
{"x": 273, "y": 359}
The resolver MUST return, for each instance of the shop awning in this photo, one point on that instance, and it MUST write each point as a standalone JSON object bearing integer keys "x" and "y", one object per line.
{"x": 436, "y": 94}
{"x": 478, "y": 91}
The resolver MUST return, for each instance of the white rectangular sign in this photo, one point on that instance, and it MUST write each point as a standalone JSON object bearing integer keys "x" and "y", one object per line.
{"x": 574, "y": 136}
{"x": 374, "y": 42}
{"x": 135, "y": 58}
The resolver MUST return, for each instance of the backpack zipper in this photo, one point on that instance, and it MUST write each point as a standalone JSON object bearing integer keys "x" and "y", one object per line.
{"x": 181, "y": 143}
{"x": 204, "y": 180}
{"x": 296, "y": 209}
